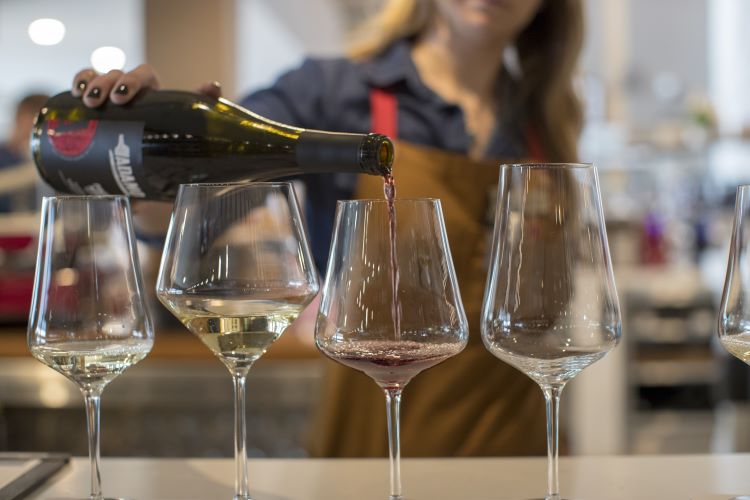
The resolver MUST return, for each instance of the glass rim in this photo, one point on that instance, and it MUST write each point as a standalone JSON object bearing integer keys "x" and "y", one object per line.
{"x": 549, "y": 165}
{"x": 743, "y": 186}
{"x": 235, "y": 184}
{"x": 85, "y": 197}
{"x": 370, "y": 201}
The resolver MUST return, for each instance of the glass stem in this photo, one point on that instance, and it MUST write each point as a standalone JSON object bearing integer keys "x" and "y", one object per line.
{"x": 393, "y": 405}
{"x": 552, "y": 400}
{"x": 241, "y": 490}
{"x": 93, "y": 400}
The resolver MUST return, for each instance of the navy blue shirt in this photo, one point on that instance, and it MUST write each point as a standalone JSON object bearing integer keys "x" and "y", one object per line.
{"x": 7, "y": 159}
{"x": 334, "y": 95}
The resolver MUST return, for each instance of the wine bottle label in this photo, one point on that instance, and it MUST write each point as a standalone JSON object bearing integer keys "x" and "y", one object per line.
{"x": 94, "y": 156}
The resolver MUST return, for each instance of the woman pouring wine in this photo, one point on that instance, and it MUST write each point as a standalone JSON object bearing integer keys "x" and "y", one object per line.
{"x": 461, "y": 84}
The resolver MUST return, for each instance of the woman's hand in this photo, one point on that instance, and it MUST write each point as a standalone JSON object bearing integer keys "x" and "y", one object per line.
{"x": 121, "y": 87}
{"x": 116, "y": 86}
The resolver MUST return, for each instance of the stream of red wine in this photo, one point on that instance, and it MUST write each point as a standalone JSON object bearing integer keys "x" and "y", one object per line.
{"x": 389, "y": 189}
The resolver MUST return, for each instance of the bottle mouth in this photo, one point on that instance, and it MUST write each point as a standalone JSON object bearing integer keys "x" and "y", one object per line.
{"x": 377, "y": 154}
{"x": 385, "y": 154}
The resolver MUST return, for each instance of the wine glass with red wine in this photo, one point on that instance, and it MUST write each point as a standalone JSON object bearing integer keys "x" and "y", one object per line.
{"x": 390, "y": 306}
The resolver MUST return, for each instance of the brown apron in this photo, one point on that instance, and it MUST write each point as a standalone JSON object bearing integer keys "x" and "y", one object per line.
{"x": 470, "y": 405}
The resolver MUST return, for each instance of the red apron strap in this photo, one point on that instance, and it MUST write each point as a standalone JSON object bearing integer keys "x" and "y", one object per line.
{"x": 384, "y": 120}
{"x": 384, "y": 112}
{"x": 534, "y": 147}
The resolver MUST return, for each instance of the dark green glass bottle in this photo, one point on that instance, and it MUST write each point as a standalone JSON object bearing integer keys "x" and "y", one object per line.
{"x": 161, "y": 139}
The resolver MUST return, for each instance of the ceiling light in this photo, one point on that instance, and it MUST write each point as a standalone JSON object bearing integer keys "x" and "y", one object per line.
{"x": 46, "y": 31}
{"x": 106, "y": 59}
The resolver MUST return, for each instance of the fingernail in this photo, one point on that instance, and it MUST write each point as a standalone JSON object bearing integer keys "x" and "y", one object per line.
{"x": 122, "y": 89}
{"x": 95, "y": 93}
{"x": 216, "y": 84}
{"x": 81, "y": 85}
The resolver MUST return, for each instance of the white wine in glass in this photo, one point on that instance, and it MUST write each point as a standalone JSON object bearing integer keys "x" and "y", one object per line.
{"x": 550, "y": 307}
{"x": 237, "y": 271}
{"x": 88, "y": 316}
{"x": 237, "y": 331}
{"x": 92, "y": 364}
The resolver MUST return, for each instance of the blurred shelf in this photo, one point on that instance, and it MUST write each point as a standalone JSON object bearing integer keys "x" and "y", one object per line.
{"x": 155, "y": 383}
{"x": 176, "y": 402}
{"x": 161, "y": 408}
{"x": 671, "y": 432}
{"x": 660, "y": 373}
{"x": 673, "y": 327}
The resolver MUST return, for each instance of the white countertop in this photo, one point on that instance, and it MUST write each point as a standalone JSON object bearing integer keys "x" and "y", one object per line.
{"x": 696, "y": 477}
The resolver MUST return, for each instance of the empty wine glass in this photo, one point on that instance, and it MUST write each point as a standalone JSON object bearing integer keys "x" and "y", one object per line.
{"x": 88, "y": 317}
{"x": 236, "y": 271}
{"x": 550, "y": 307}
{"x": 362, "y": 324}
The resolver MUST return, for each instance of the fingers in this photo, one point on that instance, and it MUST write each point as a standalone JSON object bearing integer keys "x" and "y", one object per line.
{"x": 117, "y": 86}
{"x": 81, "y": 81}
{"x": 99, "y": 88}
{"x": 212, "y": 89}
{"x": 128, "y": 85}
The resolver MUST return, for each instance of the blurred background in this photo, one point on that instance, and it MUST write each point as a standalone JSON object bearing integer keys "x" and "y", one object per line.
{"x": 667, "y": 122}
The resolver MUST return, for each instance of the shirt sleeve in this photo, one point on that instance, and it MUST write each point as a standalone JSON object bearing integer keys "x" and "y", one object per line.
{"x": 295, "y": 99}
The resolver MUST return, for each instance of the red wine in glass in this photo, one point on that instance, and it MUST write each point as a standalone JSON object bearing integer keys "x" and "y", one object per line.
{"x": 391, "y": 363}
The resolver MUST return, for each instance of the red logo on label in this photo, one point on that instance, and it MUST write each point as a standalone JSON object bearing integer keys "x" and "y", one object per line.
{"x": 71, "y": 142}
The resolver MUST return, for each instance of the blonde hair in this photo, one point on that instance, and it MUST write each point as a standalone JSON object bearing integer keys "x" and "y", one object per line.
{"x": 548, "y": 50}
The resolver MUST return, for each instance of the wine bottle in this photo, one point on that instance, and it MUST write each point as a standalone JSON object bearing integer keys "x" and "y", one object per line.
{"x": 161, "y": 139}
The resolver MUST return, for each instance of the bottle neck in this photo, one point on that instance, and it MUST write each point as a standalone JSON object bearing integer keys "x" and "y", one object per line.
{"x": 318, "y": 151}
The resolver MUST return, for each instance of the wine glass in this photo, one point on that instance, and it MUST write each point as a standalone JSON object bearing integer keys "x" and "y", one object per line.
{"x": 88, "y": 317}
{"x": 734, "y": 312}
{"x": 236, "y": 271}
{"x": 550, "y": 307}
{"x": 390, "y": 336}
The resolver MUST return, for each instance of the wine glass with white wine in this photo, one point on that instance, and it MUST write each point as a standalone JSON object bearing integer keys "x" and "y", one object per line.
{"x": 236, "y": 271}
{"x": 734, "y": 312}
{"x": 550, "y": 307}
{"x": 88, "y": 317}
